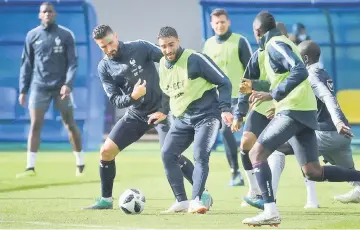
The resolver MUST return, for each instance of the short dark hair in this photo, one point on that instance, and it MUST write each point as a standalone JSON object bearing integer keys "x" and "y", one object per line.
{"x": 266, "y": 21}
{"x": 217, "y": 12}
{"x": 167, "y": 31}
{"x": 311, "y": 49}
{"x": 100, "y": 31}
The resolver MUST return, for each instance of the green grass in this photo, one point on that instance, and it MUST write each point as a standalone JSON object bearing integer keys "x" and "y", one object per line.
{"x": 54, "y": 198}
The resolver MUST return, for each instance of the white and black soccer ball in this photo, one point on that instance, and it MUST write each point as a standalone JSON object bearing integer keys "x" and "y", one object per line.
{"x": 132, "y": 201}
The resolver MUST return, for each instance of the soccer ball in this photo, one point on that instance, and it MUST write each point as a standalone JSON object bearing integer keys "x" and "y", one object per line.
{"x": 132, "y": 201}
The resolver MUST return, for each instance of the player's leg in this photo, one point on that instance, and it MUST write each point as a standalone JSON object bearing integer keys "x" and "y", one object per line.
{"x": 277, "y": 164}
{"x": 178, "y": 139}
{"x": 39, "y": 102}
{"x": 205, "y": 136}
{"x": 279, "y": 130}
{"x": 254, "y": 125}
{"x": 187, "y": 167}
{"x": 336, "y": 149}
{"x": 306, "y": 152}
{"x": 125, "y": 132}
{"x": 65, "y": 106}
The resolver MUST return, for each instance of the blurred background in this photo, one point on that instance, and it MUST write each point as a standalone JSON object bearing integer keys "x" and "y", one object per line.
{"x": 334, "y": 25}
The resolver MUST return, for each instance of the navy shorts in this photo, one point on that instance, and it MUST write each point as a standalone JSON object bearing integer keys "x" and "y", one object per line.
{"x": 255, "y": 123}
{"x": 41, "y": 99}
{"x": 130, "y": 129}
{"x": 302, "y": 139}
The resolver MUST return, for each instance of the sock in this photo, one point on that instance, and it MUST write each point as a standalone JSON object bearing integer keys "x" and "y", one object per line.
{"x": 246, "y": 160}
{"x": 339, "y": 174}
{"x": 270, "y": 208}
{"x": 311, "y": 191}
{"x": 187, "y": 168}
{"x": 253, "y": 185}
{"x": 79, "y": 156}
{"x": 263, "y": 177}
{"x": 107, "y": 176}
{"x": 276, "y": 163}
{"x": 31, "y": 158}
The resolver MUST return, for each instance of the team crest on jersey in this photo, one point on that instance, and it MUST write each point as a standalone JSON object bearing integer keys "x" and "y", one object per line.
{"x": 135, "y": 69}
{"x": 58, "y": 48}
{"x": 330, "y": 85}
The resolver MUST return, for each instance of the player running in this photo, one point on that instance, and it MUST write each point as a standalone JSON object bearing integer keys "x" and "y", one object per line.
{"x": 334, "y": 135}
{"x": 256, "y": 121}
{"x": 294, "y": 121}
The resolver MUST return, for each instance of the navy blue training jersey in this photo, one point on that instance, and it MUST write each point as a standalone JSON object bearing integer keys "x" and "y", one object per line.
{"x": 133, "y": 61}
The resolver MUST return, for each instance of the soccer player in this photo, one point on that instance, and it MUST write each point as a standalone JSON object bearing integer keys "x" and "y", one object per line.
{"x": 48, "y": 67}
{"x": 256, "y": 122}
{"x": 334, "y": 135}
{"x": 295, "y": 119}
{"x": 130, "y": 80}
{"x": 190, "y": 80}
{"x": 231, "y": 53}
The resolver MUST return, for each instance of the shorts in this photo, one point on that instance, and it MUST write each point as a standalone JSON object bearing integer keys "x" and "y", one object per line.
{"x": 130, "y": 129}
{"x": 41, "y": 99}
{"x": 255, "y": 123}
{"x": 335, "y": 148}
{"x": 302, "y": 139}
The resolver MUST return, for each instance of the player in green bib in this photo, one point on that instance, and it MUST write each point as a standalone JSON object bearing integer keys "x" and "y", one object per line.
{"x": 231, "y": 52}
{"x": 191, "y": 81}
{"x": 295, "y": 119}
{"x": 256, "y": 121}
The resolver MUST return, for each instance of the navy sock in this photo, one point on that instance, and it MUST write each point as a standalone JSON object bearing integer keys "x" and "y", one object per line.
{"x": 107, "y": 176}
{"x": 187, "y": 168}
{"x": 263, "y": 176}
{"x": 246, "y": 160}
{"x": 339, "y": 174}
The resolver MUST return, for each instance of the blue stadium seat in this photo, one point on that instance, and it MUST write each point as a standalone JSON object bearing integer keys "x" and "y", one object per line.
{"x": 7, "y": 103}
{"x": 80, "y": 97}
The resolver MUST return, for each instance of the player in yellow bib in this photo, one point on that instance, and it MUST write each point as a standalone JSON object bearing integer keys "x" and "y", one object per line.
{"x": 295, "y": 119}
{"x": 256, "y": 122}
{"x": 231, "y": 52}
{"x": 191, "y": 81}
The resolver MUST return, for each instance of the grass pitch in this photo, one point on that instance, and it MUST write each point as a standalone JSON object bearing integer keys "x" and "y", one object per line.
{"x": 54, "y": 198}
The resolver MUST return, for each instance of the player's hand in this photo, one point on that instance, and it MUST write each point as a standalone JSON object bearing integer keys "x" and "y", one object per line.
{"x": 270, "y": 113}
{"x": 22, "y": 99}
{"x": 236, "y": 125}
{"x": 227, "y": 118}
{"x": 245, "y": 86}
{"x": 344, "y": 130}
{"x": 259, "y": 97}
{"x": 156, "y": 118}
{"x": 139, "y": 90}
{"x": 65, "y": 91}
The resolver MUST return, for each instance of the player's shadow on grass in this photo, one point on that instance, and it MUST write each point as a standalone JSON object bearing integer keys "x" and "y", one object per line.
{"x": 38, "y": 186}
